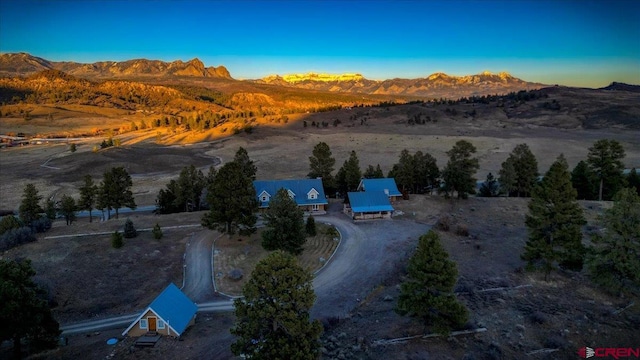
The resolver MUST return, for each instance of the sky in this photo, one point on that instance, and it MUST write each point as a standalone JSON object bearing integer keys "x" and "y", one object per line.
{"x": 575, "y": 43}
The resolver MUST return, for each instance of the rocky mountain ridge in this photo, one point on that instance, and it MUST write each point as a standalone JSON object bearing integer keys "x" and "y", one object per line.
{"x": 25, "y": 64}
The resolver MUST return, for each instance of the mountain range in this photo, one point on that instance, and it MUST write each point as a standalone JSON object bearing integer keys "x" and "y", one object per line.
{"x": 436, "y": 85}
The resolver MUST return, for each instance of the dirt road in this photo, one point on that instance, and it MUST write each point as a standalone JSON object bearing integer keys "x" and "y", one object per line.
{"x": 367, "y": 251}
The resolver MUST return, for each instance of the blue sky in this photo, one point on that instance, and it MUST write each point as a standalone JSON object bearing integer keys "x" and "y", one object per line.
{"x": 580, "y": 43}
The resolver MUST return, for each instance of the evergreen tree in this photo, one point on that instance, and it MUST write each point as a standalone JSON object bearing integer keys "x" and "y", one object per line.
{"x": 615, "y": 260}
{"x": 72, "y": 147}
{"x": 605, "y": 161}
{"x": 189, "y": 188}
{"x": 321, "y": 166}
{"x": 373, "y": 173}
{"x": 633, "y": 180}
{"x": 285, "y": 224}
{"x": 272, "y": 317}
{"x": 24, "y": 314}
{"x": 427, "y": 293}
{"x": 232, "y": 201}
{"x": 166, "y": 202}
{"x": 68, "y": 209}
{"x": 405, "y": 171}
{"x": 583, "y": 181}
{"x": 310, "y": 226}
{"x": 554, "y": 222}
{"x": 129, "y": 230}
{"x": 525, "y": 171}
{"x": 30, "y": 210}
{"x": 507, "y": 177}
{"x": 426, "y": 172}
{"x": 88, "y": 195}
{"x": 458, "y": 174}
{"x": 157, "y": 232}
{"x": 246, "y": 164}
{"x": 9, "y": 222}
{"x": 116, "y": 240}
{"x": 50, "y": 209}
{"x": 115, "y": 191}
{"x": 490, "y": 187}
{"x": 349, "y": 175}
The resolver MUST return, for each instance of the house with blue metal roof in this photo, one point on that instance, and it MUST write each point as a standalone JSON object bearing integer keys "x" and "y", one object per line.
{"x": 368, "y": 205}
{"x": 307, "y": 193}
{"x": 386, "y": 185}
{"x": 169, "y": 314}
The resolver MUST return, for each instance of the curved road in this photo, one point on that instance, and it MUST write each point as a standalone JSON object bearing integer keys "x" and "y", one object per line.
{"x": 367, "y": 250}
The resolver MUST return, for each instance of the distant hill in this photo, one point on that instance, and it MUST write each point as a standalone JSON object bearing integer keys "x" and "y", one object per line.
{"x": 21, "y": 64}
{"x": 434, "y": 86}
{"x": 622, "y": 87}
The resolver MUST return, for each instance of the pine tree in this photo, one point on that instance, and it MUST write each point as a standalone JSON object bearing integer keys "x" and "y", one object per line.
{"x": 232, "y": 201}
{"x": 321, "y": 166}
{"x": 88, "y": 195}
{"x": 272, "y": 317}
{"x": 189, "y": 188}
{"x": 507, "y": 177}
{"x": 30, "y": 210}
{"x": 490, "y": 187}
{"x": 583, "y": 180}
{"x": 50, "y": 209}
{"x": 115, "y": 191}
{"x": 246, "y": 164}
{"x": 129, "y": 230}
{"x": 461, "y": 167}
{"x": 554, "y": 222}
{"x": 373, "y": 173}
{"x": 405, "y": 172}
{"x": 426, "y": 172}
{"x": 310, "y": 226}
{"x": 427, "y": 293}
{"x": 615, "y": 260}
{"x": 68, "y": 209}
{"x": 605, "y": 161}
{"x": 116, "y": 240}
{"x": 285, "y": 225}
{"x": 525, "y": 171}
{"x": 349, "y": 175}
{"x": 633, "y": 180}
{"x": 24, "y": 314}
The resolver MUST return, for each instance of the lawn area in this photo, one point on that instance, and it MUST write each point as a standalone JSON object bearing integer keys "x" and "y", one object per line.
{"x": 243, "y": 253}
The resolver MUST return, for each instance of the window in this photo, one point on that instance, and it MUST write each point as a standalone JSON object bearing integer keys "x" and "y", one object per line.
{"x": 264, "y": 198}
{"x": 160, "y": 324}
{"x": 144, "y": 324}
{"x": 313, "y": 196}
{"x": 314, "y": 207}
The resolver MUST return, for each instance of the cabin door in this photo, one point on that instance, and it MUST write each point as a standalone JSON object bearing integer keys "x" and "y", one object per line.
{"x": 152, "y": 324}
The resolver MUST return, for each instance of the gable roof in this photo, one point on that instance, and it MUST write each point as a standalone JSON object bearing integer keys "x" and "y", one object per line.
{"x": 173, "y": 307}
{"x": 299, "y": 187}
{"x": 380, "y": 185}
{"x": 369, "y": 201}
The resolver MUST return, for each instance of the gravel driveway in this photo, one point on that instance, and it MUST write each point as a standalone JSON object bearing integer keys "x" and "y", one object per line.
{"x": 367, "y": 251}
{"x": 198, "y": 284}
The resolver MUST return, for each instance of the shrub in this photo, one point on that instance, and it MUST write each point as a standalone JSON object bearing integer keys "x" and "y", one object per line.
{"x": 116, "y": 240}
{"x": 9, "y": 222}
{"x": 16, "y": 236}
{"x": 129, "y": 230}
{"x": 310, "y": 226}
{"x": 462, "y": 230}
{"x": 444, "y": 223}
{"x": 41, "y": 225}
{"x": 157, "y": 232}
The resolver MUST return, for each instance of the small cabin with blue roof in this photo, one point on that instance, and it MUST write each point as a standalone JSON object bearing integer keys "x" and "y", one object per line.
{"x": 364, "y": 205}
{"x": 171, "y": 313}
{"x": 307, "y": 193}
{"x": 386, "y": 185}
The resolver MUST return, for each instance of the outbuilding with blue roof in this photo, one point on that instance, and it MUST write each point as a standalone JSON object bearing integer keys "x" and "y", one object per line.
{"x": 363, "y": 205}
{"x": 171, "y": 313}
